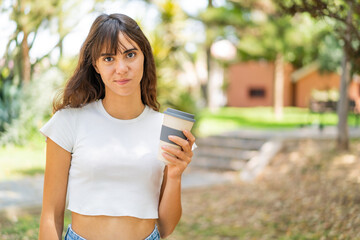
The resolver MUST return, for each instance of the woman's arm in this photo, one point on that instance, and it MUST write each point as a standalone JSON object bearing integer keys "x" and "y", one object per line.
{"x": 55, "y": 187}
{"x": 170, "y": 197}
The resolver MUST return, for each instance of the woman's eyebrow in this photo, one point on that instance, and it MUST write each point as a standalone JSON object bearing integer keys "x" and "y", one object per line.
{"x": 112, "y": 54}
{"x": 129, "y": 50}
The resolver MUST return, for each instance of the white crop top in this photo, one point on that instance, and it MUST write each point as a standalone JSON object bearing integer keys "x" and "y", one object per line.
{"x": 114, "y": 167}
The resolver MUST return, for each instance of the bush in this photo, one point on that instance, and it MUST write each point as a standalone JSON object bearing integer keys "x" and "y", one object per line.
{"x": 10, "y": 94}
{"x": 29, "y": 106}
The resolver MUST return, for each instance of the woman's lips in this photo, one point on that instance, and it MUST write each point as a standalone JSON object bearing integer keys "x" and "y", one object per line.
{"x": 122, "y": 82}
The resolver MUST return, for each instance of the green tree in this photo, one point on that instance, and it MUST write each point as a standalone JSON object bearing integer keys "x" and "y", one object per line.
{"x": 346, "y": 14}
{"x": 18, "y": 65}
{"x": 29, "y": 16}
{"x": 168, "y": 42}
{"x": 32, "y": 17}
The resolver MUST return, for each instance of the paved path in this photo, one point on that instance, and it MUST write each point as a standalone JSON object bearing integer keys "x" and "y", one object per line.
{"x": 313, "y": 132}
{"x": 27, "y": 192}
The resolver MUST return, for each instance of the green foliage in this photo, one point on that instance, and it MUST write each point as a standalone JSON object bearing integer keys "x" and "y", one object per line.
{"x": 167, "y": 45}
{"x": 330, "y": 61}
{"x": 67, "y": 66}
{"x": 9, "y": 103}
{"x": 35, "y": 103}
{"x": 34, "y": 18}
{"x": 223, "y": 16}
{"x": 24, "y": 95}
{"x": 294, "y": 37}
{"x": 10, "y": 92}
{"x": 344, "y": 16}
{"x": 300, "y": 38}
{"x": 183, "y": 101}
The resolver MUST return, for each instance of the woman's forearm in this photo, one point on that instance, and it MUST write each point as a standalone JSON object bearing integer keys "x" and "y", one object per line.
{"x": 170, "y": 204}
{"x": 50, "y": 229}
{"x": 170, "y": 207}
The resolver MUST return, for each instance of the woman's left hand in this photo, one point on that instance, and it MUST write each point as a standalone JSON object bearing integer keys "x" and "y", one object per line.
{"x": 182, "y": 157}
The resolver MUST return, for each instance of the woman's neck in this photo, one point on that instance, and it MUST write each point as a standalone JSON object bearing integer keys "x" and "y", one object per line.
{"x": 123, "y": 107}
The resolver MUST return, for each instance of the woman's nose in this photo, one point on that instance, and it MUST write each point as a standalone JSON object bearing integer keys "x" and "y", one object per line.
{"x": 121, "y": 67}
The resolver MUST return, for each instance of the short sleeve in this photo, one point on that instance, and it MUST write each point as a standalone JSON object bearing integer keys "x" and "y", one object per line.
{"x": 61, "y": 128}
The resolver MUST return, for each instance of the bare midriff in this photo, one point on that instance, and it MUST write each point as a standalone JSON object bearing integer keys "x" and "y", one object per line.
{"x": 109, "y": 227}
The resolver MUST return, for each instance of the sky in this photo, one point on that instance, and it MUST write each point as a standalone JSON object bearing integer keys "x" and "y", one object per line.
{"x": 72, "y": 43}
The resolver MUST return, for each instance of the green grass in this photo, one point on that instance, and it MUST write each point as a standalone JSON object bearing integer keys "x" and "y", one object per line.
{"x": 20, "y": 161}
{"x": 26, "y": 227}
{"x": 228, "y": 118}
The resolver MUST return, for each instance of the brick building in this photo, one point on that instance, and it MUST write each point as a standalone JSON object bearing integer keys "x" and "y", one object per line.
{"x": 251, "y": 84}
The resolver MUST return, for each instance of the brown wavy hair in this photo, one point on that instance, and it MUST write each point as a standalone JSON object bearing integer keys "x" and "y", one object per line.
{"x": 85, "y": 85}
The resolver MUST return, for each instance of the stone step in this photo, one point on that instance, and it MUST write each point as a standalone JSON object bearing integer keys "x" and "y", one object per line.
{"x": 225, "y": 152}
{"x": 230, "y": 142}
{"x": 222, "y": 163}
{"x": 220, "y": 152}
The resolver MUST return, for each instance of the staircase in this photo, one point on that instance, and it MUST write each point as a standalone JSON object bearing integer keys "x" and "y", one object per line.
{"x": 226, "y": 152}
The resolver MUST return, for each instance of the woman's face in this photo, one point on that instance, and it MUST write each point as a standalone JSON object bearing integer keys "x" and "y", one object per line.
{"x": 121, "y": 73}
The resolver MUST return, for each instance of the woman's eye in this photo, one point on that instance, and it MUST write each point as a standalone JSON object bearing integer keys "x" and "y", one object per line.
{"x": 108, "y": 59}
{"x": 131, "y": 55}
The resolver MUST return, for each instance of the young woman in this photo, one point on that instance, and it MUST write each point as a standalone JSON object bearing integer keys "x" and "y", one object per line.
{"x": 102, "y": 144}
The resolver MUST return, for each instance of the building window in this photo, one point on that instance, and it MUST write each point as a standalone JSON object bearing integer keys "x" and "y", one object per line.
{"x": 257, "y": 92}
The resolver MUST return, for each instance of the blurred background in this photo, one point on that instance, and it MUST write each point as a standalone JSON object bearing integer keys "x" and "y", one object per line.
{"x": 250, "y": 70}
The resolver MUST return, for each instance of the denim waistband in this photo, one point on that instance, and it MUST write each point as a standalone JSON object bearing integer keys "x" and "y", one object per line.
{"x": 155, "y": 235}
{"x": 71, "y": 235}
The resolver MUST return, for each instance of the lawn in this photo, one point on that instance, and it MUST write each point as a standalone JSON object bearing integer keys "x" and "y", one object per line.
{"x": 19, "y": 161}
{"x": 309, "y": 191}
{"x": 229, "y": 118}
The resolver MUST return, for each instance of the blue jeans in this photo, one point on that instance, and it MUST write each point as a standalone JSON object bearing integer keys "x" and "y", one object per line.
{"x": 71, "y": 235}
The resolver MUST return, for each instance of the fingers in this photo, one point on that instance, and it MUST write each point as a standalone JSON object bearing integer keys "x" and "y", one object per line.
{"x": 175, "y": 161}
{"x": 179, "y": 158}
{"x": 186, "y": 145}
{"x": 189, "y": 136}
{"x": 178, "y": 153}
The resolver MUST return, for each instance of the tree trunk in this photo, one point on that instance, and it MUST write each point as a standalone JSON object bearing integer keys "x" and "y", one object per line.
{"x": 25, "y": 61}
{"x": 279, "y": 86}
{"x": 343, "y": 105}
{"x": 205, "y": 85}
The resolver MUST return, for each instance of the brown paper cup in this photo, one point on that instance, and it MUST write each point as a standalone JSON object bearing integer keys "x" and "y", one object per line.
{"x": 174, "y": 123}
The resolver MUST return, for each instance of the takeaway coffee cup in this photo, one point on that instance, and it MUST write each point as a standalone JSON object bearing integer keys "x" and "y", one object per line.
{"x": 174, "y": 123}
